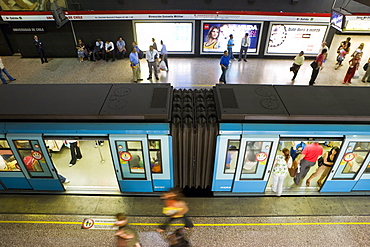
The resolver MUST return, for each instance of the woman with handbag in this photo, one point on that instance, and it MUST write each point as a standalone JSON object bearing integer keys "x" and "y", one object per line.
{"x": 317, "y": 66}
{"x": 354, "y": 63}
{"x": 325, "y": 164}
{"x": 280, "y": 170}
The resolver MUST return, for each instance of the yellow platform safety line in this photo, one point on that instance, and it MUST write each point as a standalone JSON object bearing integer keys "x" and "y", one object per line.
{"x": 223, "y": 224}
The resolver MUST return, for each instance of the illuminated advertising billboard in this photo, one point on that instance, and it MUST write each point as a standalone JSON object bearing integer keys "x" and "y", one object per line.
{"x": 216, "y": 35}
{"x": 289, "y": 39}
{"x": 337, "y": 20}
{"x": 177, "y": 36}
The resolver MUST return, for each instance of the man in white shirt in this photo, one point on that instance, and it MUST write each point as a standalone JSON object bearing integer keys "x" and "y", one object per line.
{"x": 164, "y": 53}
{"x": 109, "y": 50}
{"x": 244, "y": 47}
{"x": 99, "y": 47}
{"x": 152, "y": 57}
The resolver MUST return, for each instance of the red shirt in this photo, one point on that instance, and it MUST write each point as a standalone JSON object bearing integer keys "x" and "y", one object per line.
{"x": 312, "y": 152}
{"x": 319, "y": 59}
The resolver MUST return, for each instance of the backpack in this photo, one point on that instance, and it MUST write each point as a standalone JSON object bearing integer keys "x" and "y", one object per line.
{"x": 366, "y": 65}
{"x": 141, "y": 54}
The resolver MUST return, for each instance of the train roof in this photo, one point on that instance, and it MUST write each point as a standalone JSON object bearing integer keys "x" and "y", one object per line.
{"x": 243, "y": 103}
{"x": 129, "y": 102}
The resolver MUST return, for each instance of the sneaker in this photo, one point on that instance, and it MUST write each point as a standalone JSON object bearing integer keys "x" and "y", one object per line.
{"x": 13, "y": 79}
{"x": 157, "y": 78}
{"x": 70, "y": 165}
{"x": 139, "y": 79}
{"x": 102, "y": 144}
{"x": 149, "y": 78}
{"x": 245, "y": 60}
{"x": 96, "y": 145}
{"x": 67, "y": 181}
{"x": 234, "y": 59}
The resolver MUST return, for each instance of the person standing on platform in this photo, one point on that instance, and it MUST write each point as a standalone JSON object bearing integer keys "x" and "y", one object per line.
{"x": 121, "y": 48}
{"x": 152, "y": 57}
{"x": 164, "y": 54}
{"x": 280, "y": 170}
{"x": 224, "y": 63}
{"x": 109, "y": 50}
{"x": 154, "y": 44}
{"x": 317, "y": 66}
{"x": 367, "y": 73}
{"x": 307, "y": 159}
{"x": 354, "y": 63}
{"x": 135, "y": 65}
{"x": 40, "y": 49}
{"x": 244, "y": 47}
{"x": 298, "y": 61}
{"x": 175, "y": 208}
{"x": 324, "y": 46}
{"x": 5, "y": 71}
{"x": 230, "y": 45}
{"x": 74, "y": 146}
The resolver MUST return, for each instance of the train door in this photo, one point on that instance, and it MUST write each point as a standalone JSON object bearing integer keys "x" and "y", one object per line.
{"x": 33, "y": 159}
{"x": 254, "y": 163}
{"x": 350, "y": 165}
{"x": 142, "y": 162}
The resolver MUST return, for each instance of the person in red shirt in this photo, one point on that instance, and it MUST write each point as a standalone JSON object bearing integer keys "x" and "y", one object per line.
{"x": 317, "y": 66}
{"x": 307, "y": 159}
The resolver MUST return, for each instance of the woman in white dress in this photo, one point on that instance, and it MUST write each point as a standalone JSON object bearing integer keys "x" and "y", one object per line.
{"x": 280, "y": 170}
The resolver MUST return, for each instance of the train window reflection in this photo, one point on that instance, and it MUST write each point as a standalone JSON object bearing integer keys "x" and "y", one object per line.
{"x": 136, "y": 163}
{"x": 250, "y": 157}
{"x": 155, "y": 156}
{"x": 355, "y": 155}
{"x": 255, "y": 159}
{"x": 26, "y": 151}
{"x": 231, "y": 156}
{"x": 7, "y": 159}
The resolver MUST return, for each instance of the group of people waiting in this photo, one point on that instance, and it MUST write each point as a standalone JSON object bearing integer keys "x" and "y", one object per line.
{"x": 101, "y": 50}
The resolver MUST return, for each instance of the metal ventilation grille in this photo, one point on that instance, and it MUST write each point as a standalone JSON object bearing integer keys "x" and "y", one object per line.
{"x": 228, "y": 98}
{"x": 159, "y": 98}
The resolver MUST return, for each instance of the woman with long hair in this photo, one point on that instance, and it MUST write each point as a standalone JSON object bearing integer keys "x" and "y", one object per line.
{"x": 212, "y": 38}
{"x": 280, "y": 170}
{"x": 328, "y": 162}
{"x": 354, "y": 63}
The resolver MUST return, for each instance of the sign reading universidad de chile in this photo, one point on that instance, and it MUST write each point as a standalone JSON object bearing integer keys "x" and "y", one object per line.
{"x": 28, "y": 30}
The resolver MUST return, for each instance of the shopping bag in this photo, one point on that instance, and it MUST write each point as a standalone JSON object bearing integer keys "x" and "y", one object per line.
{"x": 162, "y": 66}
{"x": 357, "y": 75}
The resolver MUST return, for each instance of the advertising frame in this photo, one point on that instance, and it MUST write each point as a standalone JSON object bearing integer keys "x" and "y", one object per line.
{"x": 358, "y": 19}
{"x": 294, "y": 23}
{"x": 168, "y": 21}
{"x": 343, "y": 20}
{"x": 229, "y": 22}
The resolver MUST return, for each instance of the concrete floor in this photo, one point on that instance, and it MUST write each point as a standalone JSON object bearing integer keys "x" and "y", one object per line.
{"x": 185, "y": 72}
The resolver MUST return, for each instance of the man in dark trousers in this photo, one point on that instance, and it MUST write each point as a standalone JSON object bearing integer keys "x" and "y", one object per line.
{"x": 224, "y": 63}
{"x": 40, "y": 49}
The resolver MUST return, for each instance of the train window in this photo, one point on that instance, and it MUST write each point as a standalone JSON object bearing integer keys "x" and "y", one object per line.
{"x": 136, "y": 163}
{"x": 255, "y": 159}
{"x": 155, "y": 156}
{"x": 355, "y": 155}
{"x": 232, "y": 156}
{"x": 7, "y": 159}
{"x": 28, "y": 155}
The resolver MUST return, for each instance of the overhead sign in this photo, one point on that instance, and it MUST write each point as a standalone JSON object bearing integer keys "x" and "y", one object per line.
{"x": 357, "y": 24}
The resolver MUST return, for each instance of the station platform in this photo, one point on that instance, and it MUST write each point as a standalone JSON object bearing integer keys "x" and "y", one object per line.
{"x": 58, "y": 220}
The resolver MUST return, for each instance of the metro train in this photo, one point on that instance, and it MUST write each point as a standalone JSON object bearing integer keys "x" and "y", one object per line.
{"x": 147, "y": 138}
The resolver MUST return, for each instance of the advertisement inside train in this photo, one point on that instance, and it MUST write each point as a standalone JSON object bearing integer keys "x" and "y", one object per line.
{"x": 216, "y": 36}
{"x": 293, "y": 38}
{"x": 177, "y": 36}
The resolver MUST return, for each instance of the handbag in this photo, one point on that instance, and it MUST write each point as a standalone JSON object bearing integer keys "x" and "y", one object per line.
{"x": 313, "y": 65}
{"x": 356, "y": 75}
{"x": 294, "y": 169}
{"x": 320, "y": 161}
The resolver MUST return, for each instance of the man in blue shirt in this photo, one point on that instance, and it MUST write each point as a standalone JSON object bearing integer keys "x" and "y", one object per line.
{"x": 121, "y": 48}
{"x": 224, "y": 63}
{"x": 164, "y": 54}
{"x": 230, "y": 45}
{"x": 135, "y": 65}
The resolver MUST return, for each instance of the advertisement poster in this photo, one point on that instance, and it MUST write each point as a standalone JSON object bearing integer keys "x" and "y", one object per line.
{"x": 32, "y": 5}
{"x": 177, "y": 36}
{"x": 216, "y": 36}
{"x": 336, "y": 20}
{"x": 292, "y": 39}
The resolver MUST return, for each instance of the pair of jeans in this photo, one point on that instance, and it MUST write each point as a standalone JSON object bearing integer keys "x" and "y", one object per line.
{"x": 230, "y": 51}
{"x": 223, "y": 75}
{"x": 7, "y": 74}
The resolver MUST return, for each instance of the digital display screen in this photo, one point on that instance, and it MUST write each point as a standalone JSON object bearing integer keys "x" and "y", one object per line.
{"x": 336, "y": 20}
{"x": 293, "y": 38}
{"x": 216, "y": 35}
{"x": 358, "y": 25}
{"x": 177, "y": 36}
